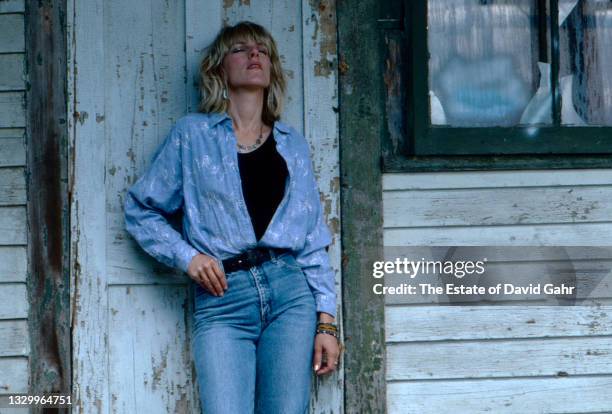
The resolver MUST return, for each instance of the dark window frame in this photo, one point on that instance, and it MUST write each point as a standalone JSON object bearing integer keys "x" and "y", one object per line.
{"x": 435, "y": 148}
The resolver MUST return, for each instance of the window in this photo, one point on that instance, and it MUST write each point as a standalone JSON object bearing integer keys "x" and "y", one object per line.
{"x": 500, "y": 84}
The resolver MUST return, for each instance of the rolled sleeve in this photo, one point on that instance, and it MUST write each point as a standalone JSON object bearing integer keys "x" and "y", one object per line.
{"x": 157, "y": 193}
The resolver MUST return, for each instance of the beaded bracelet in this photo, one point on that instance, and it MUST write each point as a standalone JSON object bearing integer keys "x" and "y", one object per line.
{"x": 325, "y": 331}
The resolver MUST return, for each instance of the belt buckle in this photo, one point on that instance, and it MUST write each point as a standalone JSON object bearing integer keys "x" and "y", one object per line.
{"x": 251, "y": 257}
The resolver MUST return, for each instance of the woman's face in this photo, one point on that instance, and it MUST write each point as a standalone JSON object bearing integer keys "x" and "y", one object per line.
{"x": 247, "y": 65}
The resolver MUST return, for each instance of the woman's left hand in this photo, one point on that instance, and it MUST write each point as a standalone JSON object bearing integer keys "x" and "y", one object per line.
{"x": 325, "y": 344}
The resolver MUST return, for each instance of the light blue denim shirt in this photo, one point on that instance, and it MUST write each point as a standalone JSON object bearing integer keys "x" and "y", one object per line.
{"x": 196, "y": 168}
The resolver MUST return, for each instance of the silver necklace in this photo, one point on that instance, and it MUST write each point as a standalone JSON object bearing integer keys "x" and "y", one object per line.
{"x": 249, "y": 148}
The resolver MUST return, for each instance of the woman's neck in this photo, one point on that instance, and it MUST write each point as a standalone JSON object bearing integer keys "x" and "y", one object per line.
{"x": 245, "y": 108}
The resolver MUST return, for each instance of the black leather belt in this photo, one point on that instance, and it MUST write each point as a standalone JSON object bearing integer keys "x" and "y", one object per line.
{"x": 250, "y": 258}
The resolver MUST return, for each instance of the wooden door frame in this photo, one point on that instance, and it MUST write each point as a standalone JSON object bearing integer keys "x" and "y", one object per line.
{"x": 47, "y": 202}
{"x": 361, "y": 126}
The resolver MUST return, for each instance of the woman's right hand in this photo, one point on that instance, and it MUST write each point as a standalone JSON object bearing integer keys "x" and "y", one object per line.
{"x": 206, "y": 271}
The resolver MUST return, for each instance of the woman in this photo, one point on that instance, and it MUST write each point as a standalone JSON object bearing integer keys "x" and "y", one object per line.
{"x": 254, "y": 233}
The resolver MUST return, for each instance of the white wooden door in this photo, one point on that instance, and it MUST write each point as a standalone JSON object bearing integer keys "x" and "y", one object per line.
{"x": 132, "y": 67}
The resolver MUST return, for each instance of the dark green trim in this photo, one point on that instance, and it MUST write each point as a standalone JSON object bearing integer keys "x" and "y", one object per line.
{"x": 396, "y": 164}
{"x": 518, "y": 140}
{"x": 361, "y": 127}
{"x": 48, "y": 279}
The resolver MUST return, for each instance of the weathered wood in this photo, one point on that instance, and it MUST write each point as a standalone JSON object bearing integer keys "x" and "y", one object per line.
{"x": 508, "y": 396}
{"x": 13, "y": 226}
{"x": 149, "y": 346}
{"x": 14, "y": 338}
{"x": 13, "y": 72}
{"x": 12, "y": 109}
{"x": 12, "y": 33}
{"x": 13, "y": 301}
{"x": 508, "y": 358}
{"x": 14, "y": 263}
{"x": 12, "y": 6}
{"x": 49, "y": 281}
{"x": 361, "y": 119}
{"x": 446, "y": 207}
{"x": 495, "y": 179}
{"x": 14, "y": 378}
{"x": 86, "y": 86}
{"x": 12, "y": 151}
{"x": 197, "y": 37}
{"x": 12, "y": 186}
{"x": 437, "y": 323}
{"x": 320, "y": 65}
{"x": 569, "y": 234}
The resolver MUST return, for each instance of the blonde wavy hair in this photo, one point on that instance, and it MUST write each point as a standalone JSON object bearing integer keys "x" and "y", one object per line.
{"x": 212, "y": 80}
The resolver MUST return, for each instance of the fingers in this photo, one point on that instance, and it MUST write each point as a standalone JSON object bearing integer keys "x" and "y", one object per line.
{"x": 326, "y": 354}
{"x": 210, "y": 275}
{"x": 318, "y": 355}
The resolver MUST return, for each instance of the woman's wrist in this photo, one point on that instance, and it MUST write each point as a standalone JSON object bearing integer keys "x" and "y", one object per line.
{"x": 326, "y": 318}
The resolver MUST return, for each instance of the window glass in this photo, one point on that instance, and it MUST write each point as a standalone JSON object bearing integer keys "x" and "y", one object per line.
{"x": 585, "y": 62}
{"x": 483, "y": 64}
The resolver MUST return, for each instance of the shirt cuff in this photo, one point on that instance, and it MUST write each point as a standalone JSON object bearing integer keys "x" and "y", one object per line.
{"x": 326, "y": 304}
{"x": 184, "y": 255}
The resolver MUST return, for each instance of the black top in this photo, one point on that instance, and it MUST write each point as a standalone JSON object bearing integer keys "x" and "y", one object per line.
{"x": 263, "y": 173}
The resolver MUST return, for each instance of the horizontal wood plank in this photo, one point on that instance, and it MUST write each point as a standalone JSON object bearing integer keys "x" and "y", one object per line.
{"x": 12, "y": 151}
{"x": 438, "y": 323}
{"x": 508, "y": 358}
{"x": 496, "y": 179}
{"x": 12, "y": 109}
{"x": 14, "y": 263}
{"x": 13, "y": 226}
{"x": 12, "y": 186}
{"x": 13, "y": 301}
{"x": 498, "y": 206}
{"x": 12, "y": 34}
{"x": 570, "y": 234}
{"x": 14, "y": 338}
{"x": 508, "y": 396}
{"x": 12, "y": 6}
{"x": 12, "y": 77}
{"x": 15, "y": 374}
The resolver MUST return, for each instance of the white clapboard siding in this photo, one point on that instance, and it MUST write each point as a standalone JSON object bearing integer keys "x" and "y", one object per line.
{"x": 12, "y": 148}
{"x": 12, "y": 186}
{"x": 12, "y": 77}
{"x": 12, "y": 109}
{"x": 12, "y": 35}
{"x": 14, "y": 378}
{"x": 497, "y": 206}
{"x": 12, "y": 6}
{"x": 149, "y": 350}
{"x": 13, "y": 301}
{"x": 443, "y": 323}
{"x": 13, "y": 263}
{"x": 14, "y": 338}
{"x": 500, "y": 358}
{"x": 12, "y": 225}
{"x": 567, "y": 234}
{"x": 507, "y": 396}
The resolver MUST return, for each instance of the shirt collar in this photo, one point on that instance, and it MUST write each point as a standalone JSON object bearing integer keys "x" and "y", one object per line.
{"x": 218, "y": 117}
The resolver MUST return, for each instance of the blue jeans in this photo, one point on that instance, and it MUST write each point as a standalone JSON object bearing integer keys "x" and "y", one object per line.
{"x": 253, "y": 346}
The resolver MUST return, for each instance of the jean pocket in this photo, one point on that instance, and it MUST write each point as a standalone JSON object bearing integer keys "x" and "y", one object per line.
{"x": 287, "y": 260}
